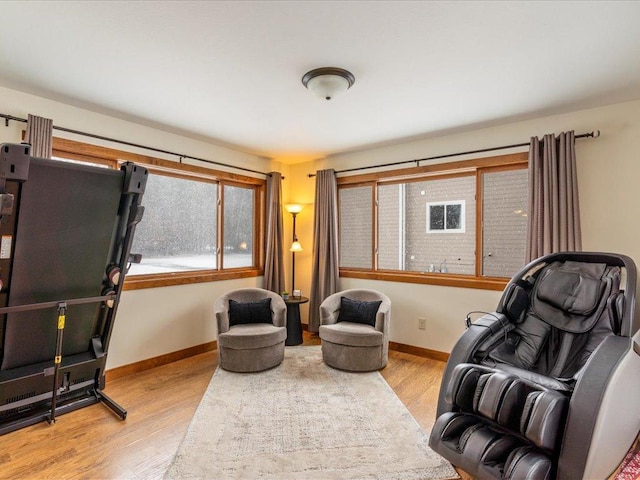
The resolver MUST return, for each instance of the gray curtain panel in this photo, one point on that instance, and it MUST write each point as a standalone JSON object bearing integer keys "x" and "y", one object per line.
{"x": 40, "y": 135}
{"x": 554, "y": 212}
{"x": 274, "y": 253}
{"x": 324, "y": 278}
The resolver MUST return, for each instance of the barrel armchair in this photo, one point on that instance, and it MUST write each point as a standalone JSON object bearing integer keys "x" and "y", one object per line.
{"x": 251, "y": 329}
{"x": 354, "y": 330}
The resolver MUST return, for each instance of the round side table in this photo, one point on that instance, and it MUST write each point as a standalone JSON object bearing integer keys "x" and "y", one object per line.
{"x": 294, "y": 325}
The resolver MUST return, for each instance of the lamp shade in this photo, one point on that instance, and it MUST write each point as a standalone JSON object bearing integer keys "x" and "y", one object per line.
{"x": 293, "y": 208}
{"x": 295, "y": 247}
{"x": 327, "y": 82}
{"x": 327, "y": 86}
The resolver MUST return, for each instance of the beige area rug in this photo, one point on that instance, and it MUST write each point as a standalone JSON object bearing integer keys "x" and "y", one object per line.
{"x": 304, "y": 421}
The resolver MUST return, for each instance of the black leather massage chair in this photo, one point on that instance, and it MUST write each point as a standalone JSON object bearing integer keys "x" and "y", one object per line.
{"x": 548, "y": 385}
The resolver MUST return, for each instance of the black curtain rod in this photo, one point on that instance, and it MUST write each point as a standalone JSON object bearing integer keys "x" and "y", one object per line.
{"x": 594, "y": 134}
{"x": 7, "y": 118}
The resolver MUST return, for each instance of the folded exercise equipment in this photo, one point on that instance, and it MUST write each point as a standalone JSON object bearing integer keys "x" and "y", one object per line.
{"x": 66, "y": 231}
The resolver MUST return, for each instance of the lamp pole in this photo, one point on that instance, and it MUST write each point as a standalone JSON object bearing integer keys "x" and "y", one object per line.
{"x": 293, "y": 255}
{"x": 295, "y": 245}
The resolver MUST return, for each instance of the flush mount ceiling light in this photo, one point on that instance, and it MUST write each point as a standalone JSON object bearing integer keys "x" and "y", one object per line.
{"x": 326, "y": 82}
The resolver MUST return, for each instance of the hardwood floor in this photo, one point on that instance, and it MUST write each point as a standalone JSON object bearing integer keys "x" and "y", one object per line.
{"x": 92, "y": 443}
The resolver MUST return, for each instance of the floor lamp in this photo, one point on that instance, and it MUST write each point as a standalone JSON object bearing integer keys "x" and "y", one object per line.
{"x": 295, "y": 245}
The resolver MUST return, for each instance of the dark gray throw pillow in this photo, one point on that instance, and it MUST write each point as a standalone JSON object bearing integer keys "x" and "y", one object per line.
{"x": 250, "y": 312}
{"x": 358, "y": 311}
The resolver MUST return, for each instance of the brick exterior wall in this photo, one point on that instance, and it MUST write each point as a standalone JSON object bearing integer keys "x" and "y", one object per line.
{"x": 356, "y": 231}
{"x": 434, "y": 248}
{"x": 505, "y": 223}
{"x": 390, "y": 216}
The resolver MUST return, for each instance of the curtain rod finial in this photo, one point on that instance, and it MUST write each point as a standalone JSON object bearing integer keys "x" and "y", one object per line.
{"x": 596, "y": 133}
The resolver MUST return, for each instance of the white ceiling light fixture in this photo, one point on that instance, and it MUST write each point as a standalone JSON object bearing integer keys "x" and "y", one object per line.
{"x": 326, "y": 82}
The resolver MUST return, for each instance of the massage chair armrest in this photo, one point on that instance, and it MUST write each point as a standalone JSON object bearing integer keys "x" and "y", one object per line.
{"x": 604, "y": 414}
{"x": 483, "y": 330}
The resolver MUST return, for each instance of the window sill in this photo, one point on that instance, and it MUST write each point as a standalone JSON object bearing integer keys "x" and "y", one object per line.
{"x": 442, "y": 279}
{"x": 155, "y": 280}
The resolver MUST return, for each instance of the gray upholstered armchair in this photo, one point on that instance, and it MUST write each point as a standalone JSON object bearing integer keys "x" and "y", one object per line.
{"x": 251, "y": 329}
{"x": 354, "y": 329}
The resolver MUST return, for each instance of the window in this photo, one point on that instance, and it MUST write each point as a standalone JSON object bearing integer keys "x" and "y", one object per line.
{"x": 464, "y": 219}
{"x": 179, "y": 229}
{"x": 445, "y": 217}
{"x": 392, "y": 219}
{"x": 406, "y": 239}
{"x": 199, "y": 224}
{"x": 238, "y": 227}
{"x": 504, "y": 217}
{"x": 355, "y": 228}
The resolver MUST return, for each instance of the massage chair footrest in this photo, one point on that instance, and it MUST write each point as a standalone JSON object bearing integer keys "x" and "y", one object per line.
{"x": 485, "y": 451}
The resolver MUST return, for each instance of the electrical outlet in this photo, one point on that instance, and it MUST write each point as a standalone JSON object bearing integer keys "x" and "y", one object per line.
{"x": 422, "y": 323}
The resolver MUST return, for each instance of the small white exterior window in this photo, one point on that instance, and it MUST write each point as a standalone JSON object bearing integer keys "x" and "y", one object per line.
{"x": 445, "y": 217}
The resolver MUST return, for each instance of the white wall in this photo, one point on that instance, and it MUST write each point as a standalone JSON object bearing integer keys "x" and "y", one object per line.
{"x": 149, "y": 322}
{"x": 155, "y": 321}
{"x": 608, "y": 178}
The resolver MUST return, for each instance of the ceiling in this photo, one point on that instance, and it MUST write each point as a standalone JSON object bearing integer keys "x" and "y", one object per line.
{"x": 230, "y": 71}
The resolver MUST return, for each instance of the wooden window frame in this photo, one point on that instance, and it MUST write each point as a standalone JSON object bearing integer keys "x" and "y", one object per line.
{"x": 474, "y": 167}
{"x": 112, "y": 158}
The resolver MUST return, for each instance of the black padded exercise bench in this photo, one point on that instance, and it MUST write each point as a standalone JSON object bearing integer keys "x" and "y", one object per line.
{"x": 65, "y": 234}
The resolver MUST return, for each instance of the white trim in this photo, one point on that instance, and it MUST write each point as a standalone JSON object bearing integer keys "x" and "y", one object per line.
{"x": 445, "y": 204}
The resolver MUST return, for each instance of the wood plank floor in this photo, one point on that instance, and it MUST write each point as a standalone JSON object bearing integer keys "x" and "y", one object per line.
{"x": 92, "y": 443}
